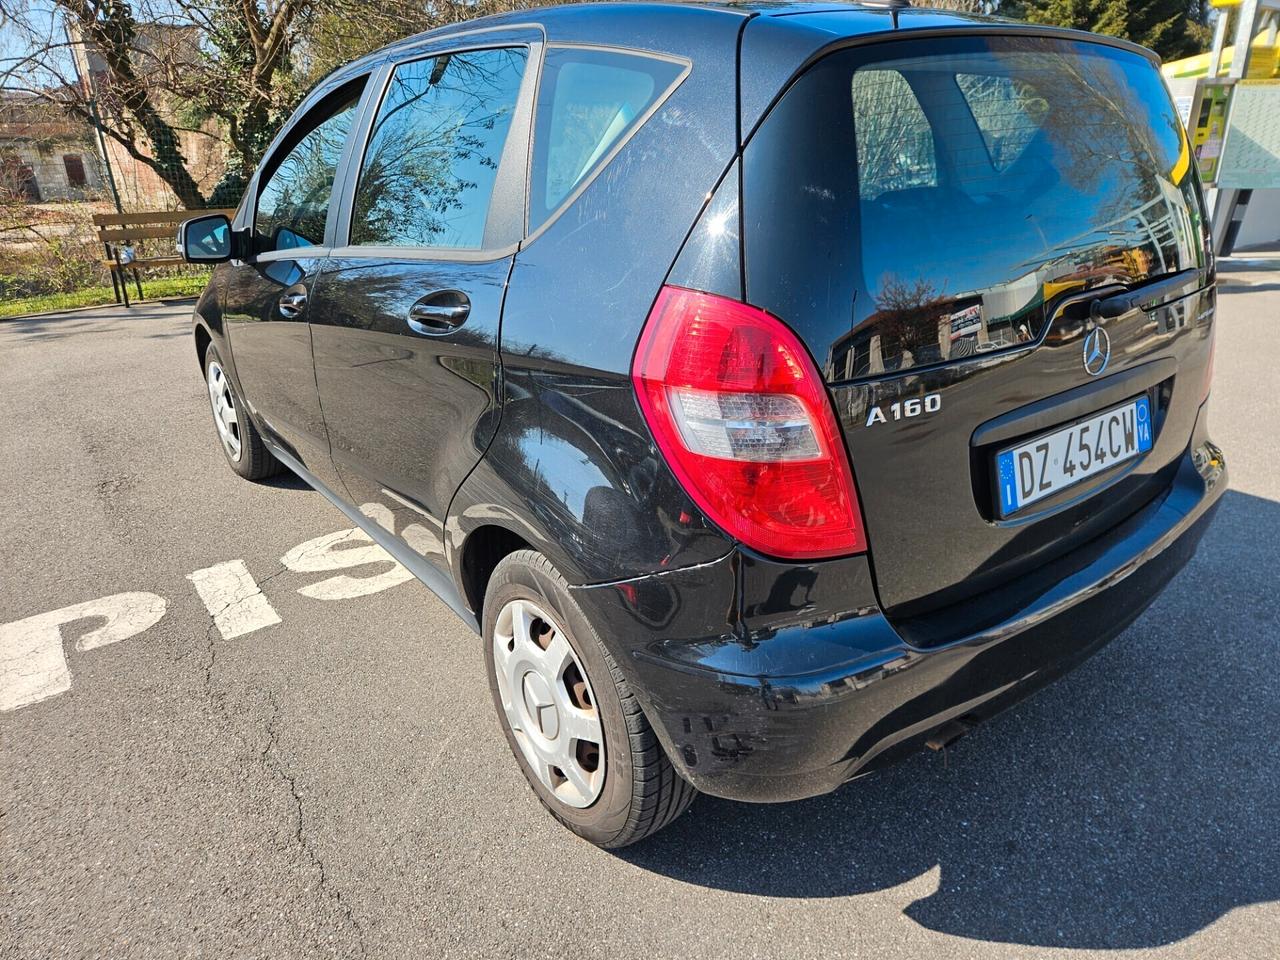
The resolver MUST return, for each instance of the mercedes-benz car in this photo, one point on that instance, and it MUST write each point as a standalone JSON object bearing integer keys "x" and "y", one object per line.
{"x": 775, "y": 389}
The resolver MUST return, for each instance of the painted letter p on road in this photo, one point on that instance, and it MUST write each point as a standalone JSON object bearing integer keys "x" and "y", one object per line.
{"x": 33, "y": 665}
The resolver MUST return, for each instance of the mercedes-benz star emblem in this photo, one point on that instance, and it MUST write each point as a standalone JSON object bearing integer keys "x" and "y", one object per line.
{"x": 1097, "y": 351}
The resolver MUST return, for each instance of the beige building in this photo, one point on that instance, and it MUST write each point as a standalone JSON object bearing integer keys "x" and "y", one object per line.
{"x": 159, "y": 50}
{"x": 44, "y": 156}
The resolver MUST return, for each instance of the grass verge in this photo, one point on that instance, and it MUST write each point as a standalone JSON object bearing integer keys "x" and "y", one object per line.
{"x": 92, "y": 296}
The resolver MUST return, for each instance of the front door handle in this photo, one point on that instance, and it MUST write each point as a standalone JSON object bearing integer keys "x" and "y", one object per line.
{"x": 439, "y": 312}
{"x": 292, "y": 304}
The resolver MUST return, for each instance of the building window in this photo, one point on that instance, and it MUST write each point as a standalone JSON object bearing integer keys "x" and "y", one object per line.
{"x": 18, "y": 179}
{"x": 75, "y": 169}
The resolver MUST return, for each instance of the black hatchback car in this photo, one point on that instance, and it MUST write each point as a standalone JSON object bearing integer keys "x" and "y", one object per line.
{"x": 775, "y": 389}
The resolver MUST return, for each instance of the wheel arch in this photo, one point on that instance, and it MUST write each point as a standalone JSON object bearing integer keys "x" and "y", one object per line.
{"x": 203, "y": 339}
{"x": 573, "y": 474}
{"x": 206, "y": 320}
{"x": 481, "y": 551}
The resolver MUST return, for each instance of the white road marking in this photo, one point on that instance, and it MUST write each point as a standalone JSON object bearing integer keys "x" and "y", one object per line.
{"x": 33, "y": 665}
{"x": 342, "y": 551}
{"x": 232, "y": 597}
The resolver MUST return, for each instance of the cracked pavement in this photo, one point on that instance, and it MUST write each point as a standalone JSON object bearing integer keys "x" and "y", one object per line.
{"x": 336, "y": 785}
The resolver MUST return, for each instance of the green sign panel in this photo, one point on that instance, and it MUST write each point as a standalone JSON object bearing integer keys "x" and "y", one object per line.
{"x": 1251, "y": 152}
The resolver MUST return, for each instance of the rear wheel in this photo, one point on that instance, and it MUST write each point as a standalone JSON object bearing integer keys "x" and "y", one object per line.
{"x": 570, "y": 718}
{"x": 239, "y": 438}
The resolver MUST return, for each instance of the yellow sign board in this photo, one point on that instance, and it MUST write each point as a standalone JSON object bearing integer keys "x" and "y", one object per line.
{"x": 1208, "y": 128}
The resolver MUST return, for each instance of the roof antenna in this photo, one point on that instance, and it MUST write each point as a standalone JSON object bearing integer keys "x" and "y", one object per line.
{"x": 893, "y": 6}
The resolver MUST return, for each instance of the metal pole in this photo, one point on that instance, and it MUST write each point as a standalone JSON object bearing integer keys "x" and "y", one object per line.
{"x": 87, "y": 84}
{"x": 1221, "y": 24}
{"x": 1224, "y": 209}
{"x": 1219, "y": 42}
{"x": 1246, "y": 25}
{"x": 106, "y": 157}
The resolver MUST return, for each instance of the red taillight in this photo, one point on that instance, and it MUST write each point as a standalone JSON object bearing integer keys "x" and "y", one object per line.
{"x": 741, "y": 415}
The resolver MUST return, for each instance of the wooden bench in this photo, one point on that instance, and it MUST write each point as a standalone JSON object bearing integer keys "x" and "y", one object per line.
{"x": 118, "y": 230}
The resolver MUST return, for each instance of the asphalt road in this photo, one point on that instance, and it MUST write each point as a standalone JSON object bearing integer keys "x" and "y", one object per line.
{"x": 336, "y": 784}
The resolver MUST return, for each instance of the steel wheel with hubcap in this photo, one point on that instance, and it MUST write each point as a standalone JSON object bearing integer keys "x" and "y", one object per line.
{"x": 576, "y": 729}
{"x": 225, "y": 417}
{"x": 240, "y": 440}
{"x": 549, "y": 704}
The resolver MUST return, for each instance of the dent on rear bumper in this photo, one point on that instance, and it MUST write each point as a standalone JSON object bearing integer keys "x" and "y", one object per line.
{"x": 772, "y": 682}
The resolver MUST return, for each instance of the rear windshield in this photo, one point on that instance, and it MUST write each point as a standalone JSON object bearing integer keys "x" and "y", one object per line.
{"x": 918, "y": 202}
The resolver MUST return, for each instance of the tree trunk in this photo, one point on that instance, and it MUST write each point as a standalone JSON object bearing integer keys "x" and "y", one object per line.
{"x": 112, "y": 36}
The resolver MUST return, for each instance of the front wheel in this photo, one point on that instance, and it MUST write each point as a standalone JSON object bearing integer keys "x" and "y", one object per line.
{"x": 571, "y": 720}
{"x": 241, "y": 443}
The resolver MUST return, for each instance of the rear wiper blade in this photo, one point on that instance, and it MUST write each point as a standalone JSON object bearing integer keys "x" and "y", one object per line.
{"x": 1169, "y": 287}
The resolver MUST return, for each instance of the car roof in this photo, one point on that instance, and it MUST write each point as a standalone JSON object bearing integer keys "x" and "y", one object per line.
{"x": 569, "y": 21}
{"x": 777, "y": 37}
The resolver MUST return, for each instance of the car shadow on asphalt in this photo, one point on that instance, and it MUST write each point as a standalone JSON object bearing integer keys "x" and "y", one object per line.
{"x": 285, "y": 480}
{"x": 78, "y": 322}
{"x": 1129, "y": 805}
{"x": 54, "y": 327}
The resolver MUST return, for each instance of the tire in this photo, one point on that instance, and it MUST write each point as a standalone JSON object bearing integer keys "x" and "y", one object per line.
{"x": 240, "y": 441}
{"x": 640, "y": 792}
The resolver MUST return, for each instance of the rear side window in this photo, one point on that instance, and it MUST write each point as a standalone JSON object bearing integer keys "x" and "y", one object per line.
{"x": 917, "y": 202}
{"x": 1008, "y": 113}
{"x": 434, "y": 150}
{"x": 293, "y": 202}
{"x": 895, "y": 143}
{"x": 589, "y": 102}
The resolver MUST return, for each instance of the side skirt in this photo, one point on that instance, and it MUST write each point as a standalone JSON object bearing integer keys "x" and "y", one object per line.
{"x": 431, "y": 578}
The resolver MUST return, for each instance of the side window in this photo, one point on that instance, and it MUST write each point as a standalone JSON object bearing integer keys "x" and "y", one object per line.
{"x": 895, "y": 141}
{"x": 590, "y": 100}
{"x": 1008, "y": 113}
{"x": 433, "y": 154}
{"x": 293, "y": 202}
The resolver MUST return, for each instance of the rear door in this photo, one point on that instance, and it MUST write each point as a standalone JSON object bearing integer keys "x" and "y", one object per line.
{"x": 266, "y": 297}
{"x": 962, "y": 204}
{"x": 405, "y": 315}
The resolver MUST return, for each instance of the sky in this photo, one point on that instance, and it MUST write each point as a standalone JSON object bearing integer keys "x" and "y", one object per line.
{"x": 16, "y": 39}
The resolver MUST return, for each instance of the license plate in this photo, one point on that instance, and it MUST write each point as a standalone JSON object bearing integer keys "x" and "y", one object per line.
{"x": 1054, "y": 461}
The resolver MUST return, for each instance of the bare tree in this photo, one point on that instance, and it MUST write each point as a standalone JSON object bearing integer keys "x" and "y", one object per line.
{"x": 100, "y": 37}
{"x": 171, "y": 71}
{"x": 237, "y": 78}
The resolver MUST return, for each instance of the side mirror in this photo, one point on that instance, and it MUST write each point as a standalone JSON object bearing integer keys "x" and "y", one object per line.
{"x": 205, "y": 239}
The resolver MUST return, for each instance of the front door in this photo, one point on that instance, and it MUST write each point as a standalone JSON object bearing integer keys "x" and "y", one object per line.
{"x": 405, "y": 316}
{"x": 266, "y": 298}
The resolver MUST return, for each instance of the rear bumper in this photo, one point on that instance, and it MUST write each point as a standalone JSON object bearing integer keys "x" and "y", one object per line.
{"x": 773, "y": 682}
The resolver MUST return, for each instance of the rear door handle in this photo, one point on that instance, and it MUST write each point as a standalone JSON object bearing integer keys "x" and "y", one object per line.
{"x": 292, "y": 304}
{"x": 439, "y": 312}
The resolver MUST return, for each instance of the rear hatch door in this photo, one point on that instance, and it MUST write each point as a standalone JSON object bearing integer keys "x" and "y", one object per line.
{"x": 948, "y": 222}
